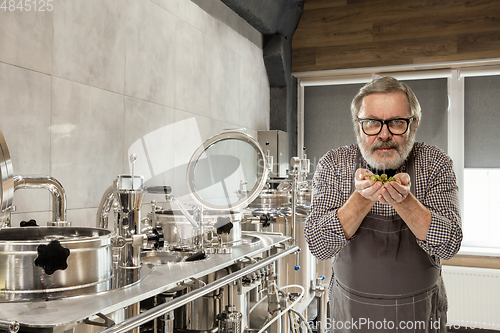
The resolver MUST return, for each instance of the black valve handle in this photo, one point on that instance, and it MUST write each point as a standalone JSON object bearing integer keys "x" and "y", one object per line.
{"x": 157, "y": 238}
{"x": 30, "y": 223}
{"x": 159, "y": 189}
{"x": 52, "y": 257}
{"x": 197, "y": 256}
{"x": 266, "y": 219}
{"x": 223, "y": 225}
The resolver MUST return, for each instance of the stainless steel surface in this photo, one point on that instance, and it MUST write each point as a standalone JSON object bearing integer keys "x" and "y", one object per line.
{"x": 89, "y": 264}
{"x": 6, "y": 182}
{"x": 62, "y": 314}
{"x": 294, "y": 162}
{"x": 102, "y": 217}
{"x": 271, "y": 199}
{"x": 322, "y": 320}
{"x": 179, "y": 232}
{"x": 219, "y": 167}
{"x": 53, "y": 186}
{"x": 199, "y": 315}
{"x": 165, "y": 257}
{"x": 129, "y": 192}
{"x": 276, "y": 142}
{"x": 279, "y": 225}
{"x": 230, "y": 320}
{"x": 182, "y": 300}
{"x": 304, "y": 197}
{"x": 287, "y": 274}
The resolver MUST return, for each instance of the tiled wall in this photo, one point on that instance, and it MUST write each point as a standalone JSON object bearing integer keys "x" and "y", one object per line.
{"x": 92, "y": 81}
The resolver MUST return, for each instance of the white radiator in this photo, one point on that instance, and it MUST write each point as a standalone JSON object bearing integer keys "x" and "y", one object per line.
{"x": 473, "y": 297}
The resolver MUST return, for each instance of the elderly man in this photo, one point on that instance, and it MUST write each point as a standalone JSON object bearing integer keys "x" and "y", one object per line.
{"x": 387, "y": 238}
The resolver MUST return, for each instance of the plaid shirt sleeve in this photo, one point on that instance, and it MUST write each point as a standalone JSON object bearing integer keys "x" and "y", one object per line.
{"x": 441, "y": 198}
{"x": 323, "y": 231}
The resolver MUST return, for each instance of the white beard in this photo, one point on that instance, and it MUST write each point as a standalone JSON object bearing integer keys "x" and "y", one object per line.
{"x": 402, "y": 153}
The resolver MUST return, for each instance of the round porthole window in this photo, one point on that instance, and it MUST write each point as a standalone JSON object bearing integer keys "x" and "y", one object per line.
{"x": 228, "y": 171}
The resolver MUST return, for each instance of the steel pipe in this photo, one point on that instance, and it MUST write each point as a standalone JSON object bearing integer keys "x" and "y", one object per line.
{"x": 162, "y": 309}
{"x": 105, "y": 206}
{"x": 53, "y": 186}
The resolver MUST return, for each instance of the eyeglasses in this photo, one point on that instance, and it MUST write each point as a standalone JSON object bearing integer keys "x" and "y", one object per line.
{"x": 396, "y": 126}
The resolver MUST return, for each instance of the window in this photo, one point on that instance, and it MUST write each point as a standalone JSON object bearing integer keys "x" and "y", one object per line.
{"x": 460, "y": 114}
{"x": 481, "y": 216}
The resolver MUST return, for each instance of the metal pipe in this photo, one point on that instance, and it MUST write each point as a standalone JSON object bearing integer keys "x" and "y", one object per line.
{"x": 294, "y": 163}
{"x": 157, "y": 311}
{"x": 53, "y": 186}
{"x": 9, "y": 326}
{"x": 322, "y": 312}
{"x": 105, "y": 206}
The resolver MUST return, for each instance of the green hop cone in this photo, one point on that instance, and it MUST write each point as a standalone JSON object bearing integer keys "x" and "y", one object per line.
{"x": 383, "y": 178}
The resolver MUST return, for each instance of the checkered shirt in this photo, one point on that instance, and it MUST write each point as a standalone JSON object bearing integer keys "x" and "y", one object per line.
{"x": 435, "y": 188}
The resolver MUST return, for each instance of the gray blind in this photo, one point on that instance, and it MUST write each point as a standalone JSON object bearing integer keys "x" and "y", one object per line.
{"x": 328, "y": 124}
{"x": 432, "y": 94}
{"x": 482, "y": 122}
{"x": 327, "y": 119}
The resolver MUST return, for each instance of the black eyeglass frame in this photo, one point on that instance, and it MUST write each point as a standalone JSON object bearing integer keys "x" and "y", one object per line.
{"x": 385, "y": 122}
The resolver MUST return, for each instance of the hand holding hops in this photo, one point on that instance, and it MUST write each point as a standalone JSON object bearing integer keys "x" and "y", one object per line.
{"x": 383, "y": 178}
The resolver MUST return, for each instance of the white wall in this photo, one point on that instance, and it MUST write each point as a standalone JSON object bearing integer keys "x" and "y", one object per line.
{"x": 85, "y": 85}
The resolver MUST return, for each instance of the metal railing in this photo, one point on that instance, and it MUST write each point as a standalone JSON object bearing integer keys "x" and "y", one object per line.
{"x": 164, "y": 308}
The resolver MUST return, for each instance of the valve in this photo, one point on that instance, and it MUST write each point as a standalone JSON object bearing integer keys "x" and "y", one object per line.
{"x": 157, "y": 238}
{"x": 297, "y": 265}
{"x": 30, "y": 223}
{"x": 266, "y": 219}
{"x": 223, "y": 225}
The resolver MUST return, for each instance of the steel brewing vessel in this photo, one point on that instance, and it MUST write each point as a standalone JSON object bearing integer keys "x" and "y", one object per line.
{"x": 84, "y": 252}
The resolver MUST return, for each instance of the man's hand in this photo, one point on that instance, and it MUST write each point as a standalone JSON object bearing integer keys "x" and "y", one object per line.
{"x": 366, "y": 187}
{"x": 395, "y": 192}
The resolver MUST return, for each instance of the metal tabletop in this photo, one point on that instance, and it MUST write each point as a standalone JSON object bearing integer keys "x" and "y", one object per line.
{"x": 62, "y": 314}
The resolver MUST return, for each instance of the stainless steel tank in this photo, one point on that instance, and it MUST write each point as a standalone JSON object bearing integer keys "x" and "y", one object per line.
{"x": 271, "y": 199}
{"x": 304, "y": 197}
{"x": 179, "y": 232}
{"x": 275, "y": 220}
{"x": 200, "y": 314}
{"x": 53, "y": 262}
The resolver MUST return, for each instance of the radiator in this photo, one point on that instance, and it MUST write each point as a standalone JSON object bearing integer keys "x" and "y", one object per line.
{"x": 473, "y": 297}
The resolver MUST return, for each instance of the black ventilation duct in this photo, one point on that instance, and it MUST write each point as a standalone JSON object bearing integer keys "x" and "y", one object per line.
{"x": 277, "y": 21}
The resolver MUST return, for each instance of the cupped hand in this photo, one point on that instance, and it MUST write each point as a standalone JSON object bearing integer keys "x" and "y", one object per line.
{"x": 396, "y": 191}
{"x": 368, "y": 188}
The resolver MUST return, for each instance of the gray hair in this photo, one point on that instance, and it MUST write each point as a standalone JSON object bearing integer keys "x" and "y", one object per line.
{"x": 384, "y": 85}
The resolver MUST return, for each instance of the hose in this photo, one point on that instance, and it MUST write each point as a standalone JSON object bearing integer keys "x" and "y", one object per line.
{"x": 287, "y": 308}
{"x": 303, "y": 319}
{"x": 293, "y": 325}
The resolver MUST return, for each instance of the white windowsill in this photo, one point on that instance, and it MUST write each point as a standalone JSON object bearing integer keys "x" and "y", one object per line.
{"x": 479, "y": 251}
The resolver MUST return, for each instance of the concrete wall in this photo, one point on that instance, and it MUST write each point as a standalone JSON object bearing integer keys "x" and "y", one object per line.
{"x": 85, "y": 85}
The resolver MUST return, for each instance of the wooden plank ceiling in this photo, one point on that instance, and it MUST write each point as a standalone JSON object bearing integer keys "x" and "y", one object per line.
{"x": 340, "y": 34}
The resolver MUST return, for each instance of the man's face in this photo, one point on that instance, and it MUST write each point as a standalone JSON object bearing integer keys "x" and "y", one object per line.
{"x": 385, "y": 150}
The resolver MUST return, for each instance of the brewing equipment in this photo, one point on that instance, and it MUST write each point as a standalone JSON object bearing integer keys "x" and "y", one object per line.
{"x": 209, "y": 266}
{"x": 40, "y": 263}
{"x": 283, "y": 207}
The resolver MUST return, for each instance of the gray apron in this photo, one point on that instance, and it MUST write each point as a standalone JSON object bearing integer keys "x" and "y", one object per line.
{"x": 384, "y": 281}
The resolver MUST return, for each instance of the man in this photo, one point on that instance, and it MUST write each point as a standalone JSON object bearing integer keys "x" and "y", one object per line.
{"x": 387, "y": 239}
